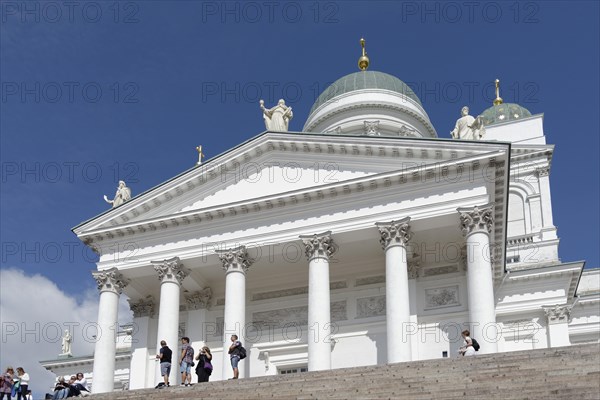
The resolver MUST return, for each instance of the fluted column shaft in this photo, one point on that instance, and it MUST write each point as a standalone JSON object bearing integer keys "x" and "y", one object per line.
{"x": 394, "y": 239}
{"x": 110, "y": 285}
{"x": 477, "y": 224}
{"x": 319, "y": 248}
{"x": 170, "y": 273}
{"x": 235, "y": 263}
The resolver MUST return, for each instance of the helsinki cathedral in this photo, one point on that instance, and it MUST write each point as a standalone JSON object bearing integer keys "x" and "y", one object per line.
{"x": 367, "y": 230}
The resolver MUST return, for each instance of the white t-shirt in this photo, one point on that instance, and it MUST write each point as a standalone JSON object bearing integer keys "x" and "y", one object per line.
{"x": 24, "y": 379}
{"x": 82, "y": 382}
{"x": 470, "y": 351}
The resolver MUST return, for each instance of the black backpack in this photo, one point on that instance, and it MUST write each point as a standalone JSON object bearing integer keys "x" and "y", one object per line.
{"x": 475, "y": 344}
{"x": 242, "y": 352}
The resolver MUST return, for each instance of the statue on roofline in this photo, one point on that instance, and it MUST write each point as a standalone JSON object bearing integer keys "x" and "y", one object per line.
{"x": 66, "y": 343}
{"x": 467, "y": 127}
{"x": 122, "y": 195}
{"x": 277, "y": 118}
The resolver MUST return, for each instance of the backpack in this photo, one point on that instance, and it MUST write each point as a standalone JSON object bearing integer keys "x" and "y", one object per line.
{"x": 242, "y": 352}
{"x": 475, "y": 344}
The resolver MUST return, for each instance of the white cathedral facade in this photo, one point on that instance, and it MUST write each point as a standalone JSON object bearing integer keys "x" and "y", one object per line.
{"x": 364, "y": 239}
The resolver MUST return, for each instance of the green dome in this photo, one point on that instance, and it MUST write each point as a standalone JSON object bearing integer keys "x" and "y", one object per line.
{"x": 364, "y": 80}
{"x": 504, "y": 112}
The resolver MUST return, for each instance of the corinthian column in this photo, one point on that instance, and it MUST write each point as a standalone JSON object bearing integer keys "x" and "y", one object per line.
{"x": 477, "y": 224}
{"x": 394, "y": 239}
{"x": 319, "y": 248}
{"x": 235, "y": 263}
{"x": 170, "y": 274}
{"x": 110, "y": 285}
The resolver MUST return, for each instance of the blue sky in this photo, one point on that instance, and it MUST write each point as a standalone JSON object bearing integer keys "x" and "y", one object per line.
{"x": 104, "y": 90}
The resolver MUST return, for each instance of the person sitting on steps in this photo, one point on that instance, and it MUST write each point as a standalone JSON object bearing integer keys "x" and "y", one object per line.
{"x": 467, "y": 349}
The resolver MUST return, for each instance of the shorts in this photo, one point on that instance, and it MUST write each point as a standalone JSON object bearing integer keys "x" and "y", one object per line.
{"x": 234, "y": 361}
{"x": 165, "y": 368}
{"x": 185, "y": 367}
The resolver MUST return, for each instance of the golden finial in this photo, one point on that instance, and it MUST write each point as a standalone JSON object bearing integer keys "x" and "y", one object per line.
{"x": 498, "y": 99}
{"x": 200, "y": 155}
{"x": 363, "y": 61}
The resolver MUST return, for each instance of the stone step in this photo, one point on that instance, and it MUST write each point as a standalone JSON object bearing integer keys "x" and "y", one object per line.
{"x": 562, "y": 373}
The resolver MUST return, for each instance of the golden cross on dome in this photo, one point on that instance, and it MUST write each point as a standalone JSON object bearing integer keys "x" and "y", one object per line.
{"x": 200, "y": 154}
{"x": 363, "y": 61}
{"x": 498, "y": 99}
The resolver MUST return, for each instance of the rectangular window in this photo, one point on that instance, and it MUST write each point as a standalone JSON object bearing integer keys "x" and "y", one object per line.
{"x": 293, "y": 370}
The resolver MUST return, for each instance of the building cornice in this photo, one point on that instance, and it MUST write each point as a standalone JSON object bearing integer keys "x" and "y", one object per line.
{"x": 418, "y": 175}
{"x": 536, "y": 272}
{"x": 419, "y": 149}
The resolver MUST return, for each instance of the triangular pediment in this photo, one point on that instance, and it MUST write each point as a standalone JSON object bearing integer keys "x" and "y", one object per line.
{"x": 274, "y": 166}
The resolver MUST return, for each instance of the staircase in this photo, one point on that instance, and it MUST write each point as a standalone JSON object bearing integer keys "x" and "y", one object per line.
{"x": 560, "y": 373}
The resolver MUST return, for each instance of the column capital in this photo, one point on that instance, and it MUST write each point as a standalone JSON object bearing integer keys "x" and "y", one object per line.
{"x": 319, "y": 245}
{"x": 110, "y": 280}
{"x": 558, "y": 313}
{"x": 543, "y": 171}
{"x": 171, "y": 270}
{"x": 394, "y": 233}
{"x": 476, "y": 219}
{"x": 142, "y": 307}
{"x": 236, "y": 259}
{"x": 199, "y": 300}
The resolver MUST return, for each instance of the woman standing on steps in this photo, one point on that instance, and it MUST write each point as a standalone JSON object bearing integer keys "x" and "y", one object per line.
{"x": 6, "y": 383}
{"x": 204, "y": 366}
{"x": 23, "y": 383}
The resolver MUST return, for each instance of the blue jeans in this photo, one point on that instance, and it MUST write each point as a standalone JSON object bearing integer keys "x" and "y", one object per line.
{"x": 185, "y": 367}
{"x": 61, "y": 394}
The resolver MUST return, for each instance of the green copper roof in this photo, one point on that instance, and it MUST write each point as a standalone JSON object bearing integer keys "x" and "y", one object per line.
{"x": 364, "y": 80}
{"x": 504, "y": 112}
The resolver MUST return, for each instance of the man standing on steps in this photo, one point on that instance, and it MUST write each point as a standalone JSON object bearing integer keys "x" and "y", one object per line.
{"x": 165, "y": 361}
{"x": 186, "y": 360}
{"x": 234, "y": 355}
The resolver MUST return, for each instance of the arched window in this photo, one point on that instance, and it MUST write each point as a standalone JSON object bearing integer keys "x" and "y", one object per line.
{"x": 516, "y": 215}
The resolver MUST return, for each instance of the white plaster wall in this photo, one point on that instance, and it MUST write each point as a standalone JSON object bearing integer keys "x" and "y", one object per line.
{"x": 523, "y": 131}
{"x": 584, "y": 326}
{"x": 522, "y": 332}
{"x": 358, "y": 348}
{"x": 346, "y": 214}
{"x": 589, "y": 282}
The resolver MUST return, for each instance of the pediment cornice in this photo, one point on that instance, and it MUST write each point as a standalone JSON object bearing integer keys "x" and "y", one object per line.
{"x": 309, "y": 145}
{"x": 445, "y": 156}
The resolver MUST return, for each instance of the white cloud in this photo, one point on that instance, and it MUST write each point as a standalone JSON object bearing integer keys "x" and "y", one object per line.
{"x": 34, "y": 312}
